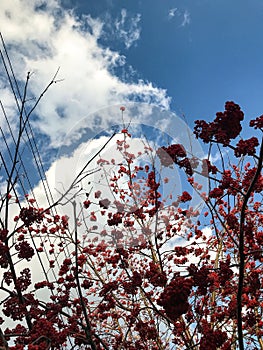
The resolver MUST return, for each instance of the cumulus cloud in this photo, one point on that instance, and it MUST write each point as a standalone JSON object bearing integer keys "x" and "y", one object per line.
{"x": 42, "y": 36}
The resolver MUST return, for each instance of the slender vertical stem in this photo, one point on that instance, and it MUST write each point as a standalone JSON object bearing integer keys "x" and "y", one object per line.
{"x": 241, "y": 250}
{"x": 87, "y": 328}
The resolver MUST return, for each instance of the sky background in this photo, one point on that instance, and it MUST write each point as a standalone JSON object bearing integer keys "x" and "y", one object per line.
{"x": 202, "y": 52}
{"x": 186, "y": 57}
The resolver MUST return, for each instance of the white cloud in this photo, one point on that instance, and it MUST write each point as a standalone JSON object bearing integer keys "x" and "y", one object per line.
{"x": 182, "y": 15}
{"x": 186, "y": 18}
{"x": 146, "y": 129}
{"x": 128, "y": 29}
{"x": 41, "y": 36}
{"x": 172, "y": 12}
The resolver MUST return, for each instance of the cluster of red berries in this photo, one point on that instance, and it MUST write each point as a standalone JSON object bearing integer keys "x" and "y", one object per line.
{"x": 174, "y": 298}
{"x": 246, "y": 147}
{"x": 225, "y": 127}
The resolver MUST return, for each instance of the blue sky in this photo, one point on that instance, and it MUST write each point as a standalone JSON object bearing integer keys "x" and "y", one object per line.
{"x": 203, "y": 52}
{"x": 186, "y": 56}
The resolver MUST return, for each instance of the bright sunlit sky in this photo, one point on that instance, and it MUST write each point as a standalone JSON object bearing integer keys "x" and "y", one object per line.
{"x": 185, "y": 56}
